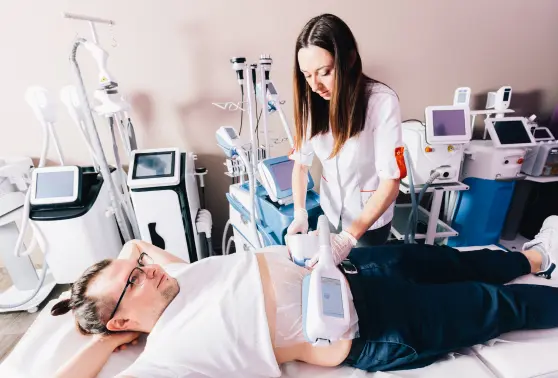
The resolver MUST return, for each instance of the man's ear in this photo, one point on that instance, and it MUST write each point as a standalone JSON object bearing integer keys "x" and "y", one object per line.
{"x": 121, "y": 324}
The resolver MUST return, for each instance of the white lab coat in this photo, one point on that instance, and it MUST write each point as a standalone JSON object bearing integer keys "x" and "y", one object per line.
{"x": 350, "y": 178}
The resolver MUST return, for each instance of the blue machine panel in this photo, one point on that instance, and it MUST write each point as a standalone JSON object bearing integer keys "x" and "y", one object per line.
{"x": 481, "y": 211}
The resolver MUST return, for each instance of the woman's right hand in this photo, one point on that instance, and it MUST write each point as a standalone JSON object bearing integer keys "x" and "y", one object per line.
{"x": 299, "y": 223}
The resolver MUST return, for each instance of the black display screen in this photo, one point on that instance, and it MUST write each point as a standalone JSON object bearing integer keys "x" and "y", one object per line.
{"x": 511, "y": 132}
{"x": 154, "y": 165}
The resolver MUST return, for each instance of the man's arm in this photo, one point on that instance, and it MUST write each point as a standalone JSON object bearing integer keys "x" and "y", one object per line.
{"x": 89, "y": 361}
{"x": 133, "y": 249}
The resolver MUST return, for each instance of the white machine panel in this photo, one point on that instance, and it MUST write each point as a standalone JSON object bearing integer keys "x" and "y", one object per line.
{"x": 542, "y": 160}
{"x": 484, "y": 161}
{"x": 193, "y": 196}
{"x": 55, "y": 185}
{"x": 462, "y": 96}
{"x": 20, "y": 269}
{"x": 155, "y": 180}
{"x": 426, "y": 158}
{"x": 241, "y": 224}
{"x": 510, "y": 132}
{"x": 447, "y": 124}
{"x": 154, "y": 168}
{"x": 164, "y": 219}
{"x": 69, "y": 254}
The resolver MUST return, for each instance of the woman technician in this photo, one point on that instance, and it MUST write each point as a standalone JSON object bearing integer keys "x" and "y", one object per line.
{"x": 352, "y": 123}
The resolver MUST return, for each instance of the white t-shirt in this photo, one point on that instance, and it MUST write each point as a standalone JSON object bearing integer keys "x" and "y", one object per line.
{"x": 215, "y": 327}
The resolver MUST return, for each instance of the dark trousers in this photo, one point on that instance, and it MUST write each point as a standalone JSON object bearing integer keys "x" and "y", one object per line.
{"x": 416, "y": 303}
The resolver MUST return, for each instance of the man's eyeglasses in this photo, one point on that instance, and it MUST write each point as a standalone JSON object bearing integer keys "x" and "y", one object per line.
{"x": 136, "y": 277}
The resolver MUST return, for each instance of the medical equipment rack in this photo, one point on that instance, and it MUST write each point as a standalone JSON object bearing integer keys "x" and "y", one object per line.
{"x": 436, "y": 229}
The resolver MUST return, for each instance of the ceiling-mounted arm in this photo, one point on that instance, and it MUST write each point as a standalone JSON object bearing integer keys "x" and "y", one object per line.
{"x": 106, "y": 80}
{"x": 92, "y": 21}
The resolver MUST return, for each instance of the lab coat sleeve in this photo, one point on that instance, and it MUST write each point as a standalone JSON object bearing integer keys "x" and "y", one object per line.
{"x": 305, "y": 155}
{"x": 385, "y": 115}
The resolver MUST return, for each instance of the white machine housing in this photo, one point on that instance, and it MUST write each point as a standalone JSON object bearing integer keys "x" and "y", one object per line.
{"x": 542, "y": 160}
{"x": 242, "y": 230}
{"x": 439, "y": 145}
{"x": 20, "y": 269}
{"x": 462, "y": 96}
{"x": 71, "y": 250}
{"x": 484, "y": 161}
{"x": 509, "y": 132}
{"x": 501, "y": 157}
{"x": 155, "y": 182}
{"x": 47, "y": 182}
{"x": 14, "y": 176}
{"x": 325, "y": 298}
{"x": 499, "y": 100}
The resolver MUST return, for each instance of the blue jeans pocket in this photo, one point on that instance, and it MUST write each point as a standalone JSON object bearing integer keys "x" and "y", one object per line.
{"x": 385, "y": 355}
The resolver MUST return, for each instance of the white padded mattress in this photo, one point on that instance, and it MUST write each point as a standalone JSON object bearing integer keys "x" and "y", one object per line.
{"x": 52, "y": 340}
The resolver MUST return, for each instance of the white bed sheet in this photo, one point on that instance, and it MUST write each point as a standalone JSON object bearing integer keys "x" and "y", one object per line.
{"x": 52, "y": 340}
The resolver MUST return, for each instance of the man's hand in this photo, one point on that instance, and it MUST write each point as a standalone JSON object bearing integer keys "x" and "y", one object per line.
{"x": 118, "y": 340}
{"x": 341, "y": 245}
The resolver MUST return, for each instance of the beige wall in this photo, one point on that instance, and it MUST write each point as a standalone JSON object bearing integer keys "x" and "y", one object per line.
{"x": 172, "y": 61}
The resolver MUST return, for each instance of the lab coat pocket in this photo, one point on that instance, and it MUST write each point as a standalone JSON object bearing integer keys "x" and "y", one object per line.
{"x": 365, "y": 196}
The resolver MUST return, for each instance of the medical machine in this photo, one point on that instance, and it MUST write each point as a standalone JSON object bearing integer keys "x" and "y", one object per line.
{"x": 15, "y": 175}
{"x": 433, "y": 155}
{"x": 261, "y": 208}
{"x": 462, "y": 96}
{"x": 114, "y": 109}
{"x": 499, "y": 100}
{"x": 164, "y": 192}
{"x": 542, "y": 160}
{"x": 66, "y": 208}
{"x": 438, "y": 145}
{"x": 325, "y": 296}
{"x": 69, "y": 211}
{"x": 274, "y": 103}
{"x": 262, "y": 212}
{"x": 78, "y": 215}
{"x": 491, "y": 168}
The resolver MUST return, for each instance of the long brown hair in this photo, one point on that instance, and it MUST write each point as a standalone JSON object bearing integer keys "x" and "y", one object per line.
{"x": 346, "y": 111}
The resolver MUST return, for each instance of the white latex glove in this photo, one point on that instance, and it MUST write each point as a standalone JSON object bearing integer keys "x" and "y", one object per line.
{"x": 341, "y": 245}
{"x": 299, "y": 223}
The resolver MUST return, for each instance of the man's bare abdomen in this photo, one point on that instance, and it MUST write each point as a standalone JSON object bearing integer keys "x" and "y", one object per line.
{"x": 332, "y": 355}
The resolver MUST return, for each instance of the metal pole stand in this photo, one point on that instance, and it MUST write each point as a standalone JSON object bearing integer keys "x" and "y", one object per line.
{"x": 436, "y": 228}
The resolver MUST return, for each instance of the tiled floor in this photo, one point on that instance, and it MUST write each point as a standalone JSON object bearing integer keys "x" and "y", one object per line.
{"x": 13, "y": 325}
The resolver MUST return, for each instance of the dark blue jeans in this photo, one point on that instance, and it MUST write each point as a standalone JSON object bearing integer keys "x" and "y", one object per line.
{"x": 416, "y": 303}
